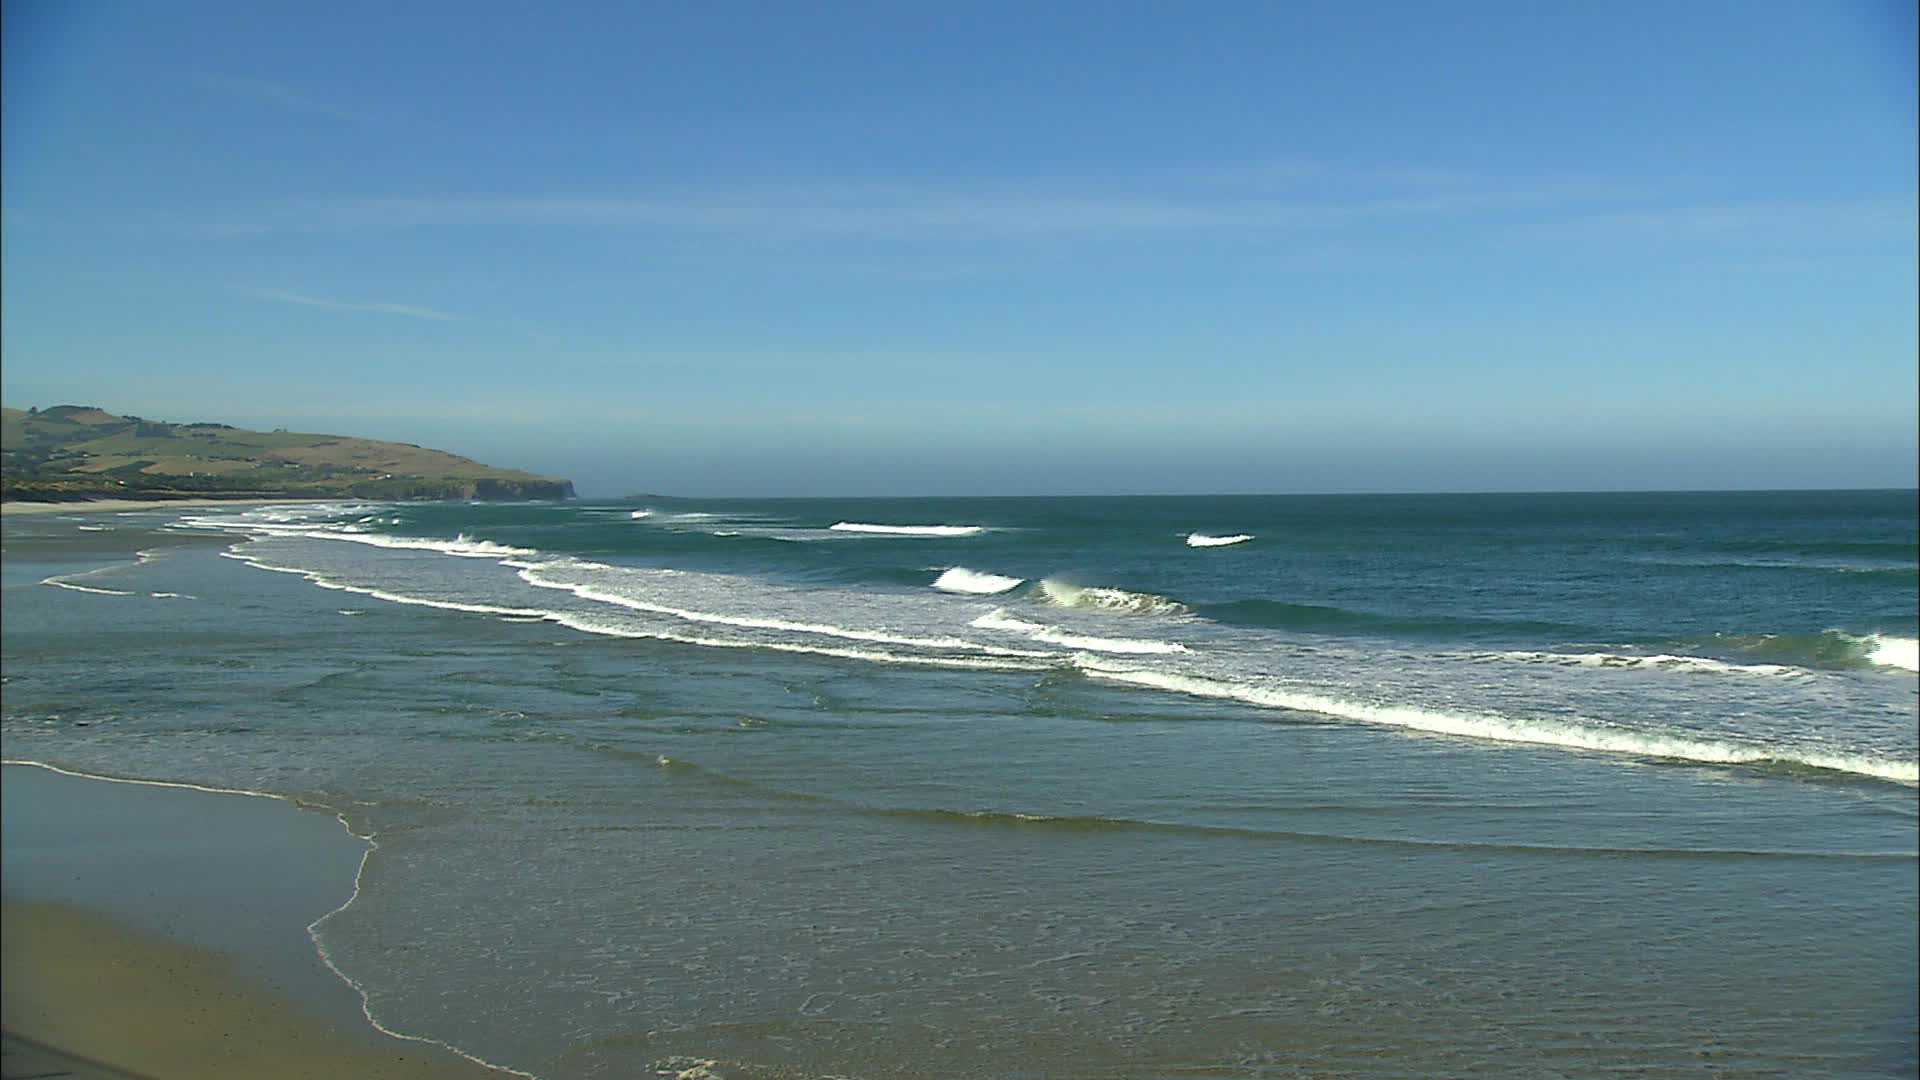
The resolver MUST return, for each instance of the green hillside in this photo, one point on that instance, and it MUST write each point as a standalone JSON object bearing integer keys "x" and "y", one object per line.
{"x": 81, "y": 452}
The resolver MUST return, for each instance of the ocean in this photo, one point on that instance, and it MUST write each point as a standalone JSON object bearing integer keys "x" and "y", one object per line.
{"x": 1342, "y": 786}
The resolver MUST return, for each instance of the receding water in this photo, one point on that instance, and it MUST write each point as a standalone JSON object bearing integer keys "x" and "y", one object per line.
{"x": 1385, "y": 786}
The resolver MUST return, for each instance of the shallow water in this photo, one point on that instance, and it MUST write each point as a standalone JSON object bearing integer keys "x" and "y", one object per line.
{"x": 1462, "y": 785}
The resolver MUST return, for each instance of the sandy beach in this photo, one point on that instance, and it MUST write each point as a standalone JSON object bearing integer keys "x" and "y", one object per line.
{"x": 162, "y": 931}
{"x": 14, "y": 507}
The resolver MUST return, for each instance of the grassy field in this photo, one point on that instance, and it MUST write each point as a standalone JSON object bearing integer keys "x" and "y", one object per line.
{"x": 79, "y": 452}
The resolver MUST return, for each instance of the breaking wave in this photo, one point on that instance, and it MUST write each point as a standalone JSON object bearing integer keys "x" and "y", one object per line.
{"x": 1202, "y": 540}
{"x": 907, "y": 530}
{"x": 1061, "y": 594}
{"x": 1895, "y": 652}
{"x": 959, "y": 579}
{"x": 1829, "y": 649}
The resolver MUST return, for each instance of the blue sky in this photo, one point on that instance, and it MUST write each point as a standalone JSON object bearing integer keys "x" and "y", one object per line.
{"x": 905, "y": 248}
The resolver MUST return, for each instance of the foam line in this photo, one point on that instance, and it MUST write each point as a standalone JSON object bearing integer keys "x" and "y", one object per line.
{"x": 313, "y": 928}
{"x": 58, "y": 584}
{"x": 1659, "y": 662}
{"x": 531, "y": 575}
{"x": 1570, "y": 736}
{"x": 64, "y": 581}
{"x": 907, "y": 530}
{"x": 587, "y": 626}
{"x": 462, "y": 545}
{"x": 998, "y": 619}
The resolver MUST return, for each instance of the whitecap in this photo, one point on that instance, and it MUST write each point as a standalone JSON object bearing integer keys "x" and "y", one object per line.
{"x": 959, "y": 579}
{"x": 1894, "y": 652}
{"x": 1202, "y": 540}
{"x": 907, "y": 530}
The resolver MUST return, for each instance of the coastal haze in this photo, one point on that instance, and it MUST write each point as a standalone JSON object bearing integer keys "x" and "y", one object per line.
{"x": 869, "y": 542}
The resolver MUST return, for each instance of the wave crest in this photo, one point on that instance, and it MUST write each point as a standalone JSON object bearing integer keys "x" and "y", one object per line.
{"x": 959, "y": 579}
{"x": 1202, "y": 540}
{"x": 1895, "y": 652}
{"x": 907, "y": 530}
{"x": 1061, "y": 594}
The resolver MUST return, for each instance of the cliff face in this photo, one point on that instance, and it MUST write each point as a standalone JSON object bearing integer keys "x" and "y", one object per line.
{"x": 80, "y": 452}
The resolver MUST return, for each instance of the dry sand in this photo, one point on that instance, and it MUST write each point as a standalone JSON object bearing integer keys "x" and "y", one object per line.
{"x": 111, "y": 506}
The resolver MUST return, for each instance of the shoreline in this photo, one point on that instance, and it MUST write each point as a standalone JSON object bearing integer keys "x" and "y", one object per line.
{"x": 12, "y": 507}
{"x": 95, "y": 985}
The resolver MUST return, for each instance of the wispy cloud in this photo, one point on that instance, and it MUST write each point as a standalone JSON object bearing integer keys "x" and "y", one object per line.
{"x": 278, "y": 95}
{"x": 810, "y": 212}
{"x": 1285, "y": 197}
{"x": 1860, "y": 225}
{"x": 303, "y": 300}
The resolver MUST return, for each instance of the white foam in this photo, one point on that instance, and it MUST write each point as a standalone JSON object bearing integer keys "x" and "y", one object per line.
{"x": 1574, "y": 736}
{"x": 907, "y": 530}
{"x": 461, "y": 546}
{"x": 1894, "y": 652}
{"x": 959, "y": 579}
{"x": 1015, "y": 660}
{"x": 171, "y": 596}
{"x": 1203, "y": 540}
{"x": 65, "y": 581}
{"x": 1061, "y": 594}
{"x": 58, "y": 584}
{"x": 1659, "y": 661}
{"x": 96, "y": 528}
{"x": 998, "y": 619}
{"x": 638, "y": 514}
{"x": 539, "y": 574}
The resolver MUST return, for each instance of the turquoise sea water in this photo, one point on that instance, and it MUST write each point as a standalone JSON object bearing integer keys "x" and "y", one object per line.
{"x": 1528, "y": 785}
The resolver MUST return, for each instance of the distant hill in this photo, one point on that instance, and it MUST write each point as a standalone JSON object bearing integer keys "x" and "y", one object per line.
{"x": 71, "y": 452}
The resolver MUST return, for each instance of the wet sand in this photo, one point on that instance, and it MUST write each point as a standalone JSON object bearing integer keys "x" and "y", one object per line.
{"x": 163, "y": 932}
